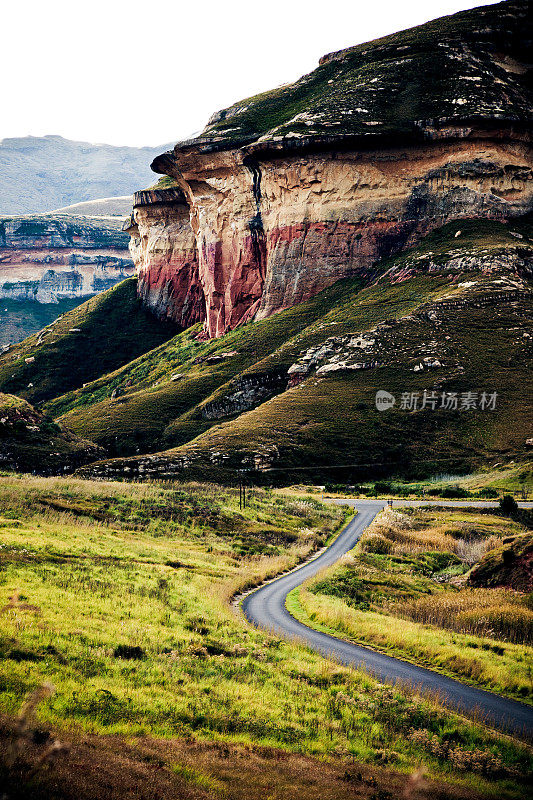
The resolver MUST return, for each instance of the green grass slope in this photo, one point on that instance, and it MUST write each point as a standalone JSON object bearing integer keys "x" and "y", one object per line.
{"x": 32, "y": 441}
{"x": 22, "y": 318}
{"x": 151, "y": 409}
{"x": 461, "y": 298}
{"x": 98, "y": 336}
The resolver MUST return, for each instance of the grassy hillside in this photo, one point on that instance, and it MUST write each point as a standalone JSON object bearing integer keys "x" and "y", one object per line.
{"x": 404, "y": 590}
{"x": 452, "y": 315}
{"x": 451, "y": 68}
{"x": 31, "y": 441}
{"x": 100, "y": 335}
{"x": 117, "y": 595}
{"x": 21, "y": 318}
{"x": 154, "y": 410}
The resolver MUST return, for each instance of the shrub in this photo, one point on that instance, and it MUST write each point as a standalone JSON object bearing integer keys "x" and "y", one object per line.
{"x": 383, "y": 487}
{"x": 452, "y": 492}
{"x": 508, "y": 505}
{"x": 376, "y": 543}
{"x": 488, "y": 493}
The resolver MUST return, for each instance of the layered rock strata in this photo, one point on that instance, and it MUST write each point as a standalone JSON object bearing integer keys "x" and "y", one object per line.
{"x": 163, "y": 247}
{"x": 47, "y": 259}
{"x": 286, "y": 193}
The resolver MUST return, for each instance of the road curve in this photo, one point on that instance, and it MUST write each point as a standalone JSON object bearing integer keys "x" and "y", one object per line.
{"x": 265, "y": 607}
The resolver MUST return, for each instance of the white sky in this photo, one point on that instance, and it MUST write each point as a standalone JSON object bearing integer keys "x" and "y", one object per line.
{"x": 147, "y": 72}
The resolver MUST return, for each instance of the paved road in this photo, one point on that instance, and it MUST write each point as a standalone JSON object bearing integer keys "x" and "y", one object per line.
{"x": 346, "y": 501}
{"x": 265, "y": 608}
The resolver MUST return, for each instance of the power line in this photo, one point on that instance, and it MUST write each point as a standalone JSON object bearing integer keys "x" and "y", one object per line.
{"x": 289, "y": 468}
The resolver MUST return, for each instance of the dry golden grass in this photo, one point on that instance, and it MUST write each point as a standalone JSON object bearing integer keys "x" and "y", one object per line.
{"x": 397, "y": 534}
{"x": 497, "y": 613}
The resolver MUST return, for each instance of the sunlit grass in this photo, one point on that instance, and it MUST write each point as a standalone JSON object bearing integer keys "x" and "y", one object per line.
{"x": 122, "y": 604}
{"x": 403, "y": 591}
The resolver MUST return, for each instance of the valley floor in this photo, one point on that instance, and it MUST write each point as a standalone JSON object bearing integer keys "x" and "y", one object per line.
{"x": 117, "y": 595}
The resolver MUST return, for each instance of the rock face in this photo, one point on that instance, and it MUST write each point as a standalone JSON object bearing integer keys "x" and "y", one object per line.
{"x": 286, "y": 193}
{"x": 164, "y": 249}
{"x": 50, "y": 258}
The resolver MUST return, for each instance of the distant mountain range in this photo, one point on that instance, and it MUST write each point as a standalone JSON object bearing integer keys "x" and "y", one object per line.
{"x": 40, "y": 174}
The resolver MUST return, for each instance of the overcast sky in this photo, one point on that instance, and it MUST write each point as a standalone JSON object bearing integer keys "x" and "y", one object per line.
{"x": 148, "y": 72}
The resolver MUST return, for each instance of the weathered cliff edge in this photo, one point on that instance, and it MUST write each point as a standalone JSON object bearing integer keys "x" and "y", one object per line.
{"x": 287, "y": 192}
{"x": 50, "y": 258}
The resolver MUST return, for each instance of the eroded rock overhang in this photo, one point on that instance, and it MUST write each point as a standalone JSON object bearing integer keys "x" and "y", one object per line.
{"x": 253, "y": 230}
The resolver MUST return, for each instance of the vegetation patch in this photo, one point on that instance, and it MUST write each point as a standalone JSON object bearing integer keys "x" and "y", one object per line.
{"x": 102, "y": 583}
{"x": 95, "y": 337}
{"x": 30, "y": 440}
{"x": 404, "y": 590}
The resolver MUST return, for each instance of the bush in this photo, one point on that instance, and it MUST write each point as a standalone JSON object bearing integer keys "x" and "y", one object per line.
{"x": 508, "y": 505}
{"x": 488, "y": 493}
{"x": 454, "y": 492}
{"x": 376, "y": 543}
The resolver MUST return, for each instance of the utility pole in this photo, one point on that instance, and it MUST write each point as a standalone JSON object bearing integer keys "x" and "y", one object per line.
{"x": 242, "y": 490}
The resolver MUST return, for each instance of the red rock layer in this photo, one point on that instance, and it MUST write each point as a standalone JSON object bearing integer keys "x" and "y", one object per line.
{"x": 164, "y": 250}
{"x": 271, "y": 233}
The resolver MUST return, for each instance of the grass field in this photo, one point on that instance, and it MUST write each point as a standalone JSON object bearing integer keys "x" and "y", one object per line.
{"x": 403, "y": 590}
{"x": 117, "y": 594}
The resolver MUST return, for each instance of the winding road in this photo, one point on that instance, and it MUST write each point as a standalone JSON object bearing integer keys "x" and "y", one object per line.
{"x": 265, "y": 607}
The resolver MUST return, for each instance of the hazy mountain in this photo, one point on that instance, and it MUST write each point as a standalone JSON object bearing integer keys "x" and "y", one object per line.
{"x": 102, "y": 207}
{"x": 39, "y": 174}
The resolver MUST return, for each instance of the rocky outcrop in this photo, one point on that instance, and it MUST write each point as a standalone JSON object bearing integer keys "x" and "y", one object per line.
{"x": 244, "y": 393}
{"x": 50, "y": 258}
{"x": 164, "y": 249}
{"x": 284, "y": 194}
{"x": 498, "y": 279}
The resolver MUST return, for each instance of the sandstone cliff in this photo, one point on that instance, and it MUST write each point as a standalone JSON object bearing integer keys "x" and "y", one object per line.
{"x": 50, "y": 258}
{"x": 285, "y": 193}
